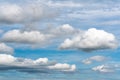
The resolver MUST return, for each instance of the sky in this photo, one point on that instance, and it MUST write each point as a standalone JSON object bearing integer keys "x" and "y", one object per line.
{"x": 59, "y": 39}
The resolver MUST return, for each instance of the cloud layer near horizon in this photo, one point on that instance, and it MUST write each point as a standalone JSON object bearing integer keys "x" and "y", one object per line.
{"x": 9, "y": 62}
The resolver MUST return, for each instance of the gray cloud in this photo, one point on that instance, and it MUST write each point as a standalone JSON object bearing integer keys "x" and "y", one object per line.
{"x": 11, "y": 13}
{"x": 8, "y": 62}
{"x": 4, "y": 49}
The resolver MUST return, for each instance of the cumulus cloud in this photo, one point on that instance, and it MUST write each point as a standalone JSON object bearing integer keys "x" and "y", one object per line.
{"x": 9, "y": 62}
{"x": 4, "y": 49}
{"x": 31, "y": 37}
{"x": 94, "y": 58}
{"x": 92, "y": 39}
{"x": 40, "y": 37}
{"x": 62, "y": 30}
{"x": 15, "y": 13}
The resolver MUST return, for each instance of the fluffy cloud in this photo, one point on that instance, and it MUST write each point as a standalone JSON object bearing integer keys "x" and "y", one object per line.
{"x": 31, "y": 37}
{"x": 94, "y": 58}
{"x": 9, "y": 62}
{"x": 14, "y": 13}
{"x": 46, "y": 36}
{"x": 92, "y": 39}
{"x": 4, "y": 49}
{"x": 63, "y": 30}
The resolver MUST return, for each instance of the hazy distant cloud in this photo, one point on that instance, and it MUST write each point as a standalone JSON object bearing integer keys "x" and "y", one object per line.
{"x": 28, "y": 37}
{"x": 92, "y": 39}
{"x": 94, "y": 58}
{"x": 4, "y": 49}
{"x": 103, "y": 68}
{"x": 108, "y": 67}
{"x": 63, "y": 30}
{"x": 68, "y": 4}
{"x": 8, "y": 62}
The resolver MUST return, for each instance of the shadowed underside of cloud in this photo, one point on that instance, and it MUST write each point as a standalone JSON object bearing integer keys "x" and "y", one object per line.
{"x": 8, "y": 62}
{"x": 92, "y": 39}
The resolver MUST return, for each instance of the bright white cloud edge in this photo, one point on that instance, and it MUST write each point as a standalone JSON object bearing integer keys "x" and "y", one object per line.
{"x": 92, "y": 39}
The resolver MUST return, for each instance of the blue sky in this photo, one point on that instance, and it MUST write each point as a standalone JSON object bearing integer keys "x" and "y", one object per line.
{"x": 59, "y": 39}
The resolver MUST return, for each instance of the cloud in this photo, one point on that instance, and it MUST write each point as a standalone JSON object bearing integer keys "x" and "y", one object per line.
{"x": 94, "y": 58}
{"x": 68, "y": 4}
{"x": 8, "y": 62}
{"x": 92, "y": 39}
{"x": 62, "y": 30}
{"x": 4, "y": 49}
{"x": 108, "y": 67}
{"x": 103, "y": 68}
{"x": 28, "y": 37}
{"x": 26, "y": 13}
{"x": 40, "y": 37}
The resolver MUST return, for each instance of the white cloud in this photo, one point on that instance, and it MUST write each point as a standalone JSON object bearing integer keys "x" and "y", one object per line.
{"x": 62, "y": 30}
{"x": 4, "y": 49}
{"x": 69, "y": 4}
{"x": 14, "y": 13}
{"x": 40, "y": 38}
{"x": 32, "y": 37}
{"x": 6, "y": 59}
{"x": 41, "y": 64}
{"x": 94, "y": 58}
{"x": 102, "y": 68}
{"x": 64, "y": 67}
{"x": 108, "y": 67}
{"x": 92, "y": 39}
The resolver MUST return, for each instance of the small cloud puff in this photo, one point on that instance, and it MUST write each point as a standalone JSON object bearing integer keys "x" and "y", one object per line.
{"x": 27, "y": 65}
{"x": 92, "y": 39}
